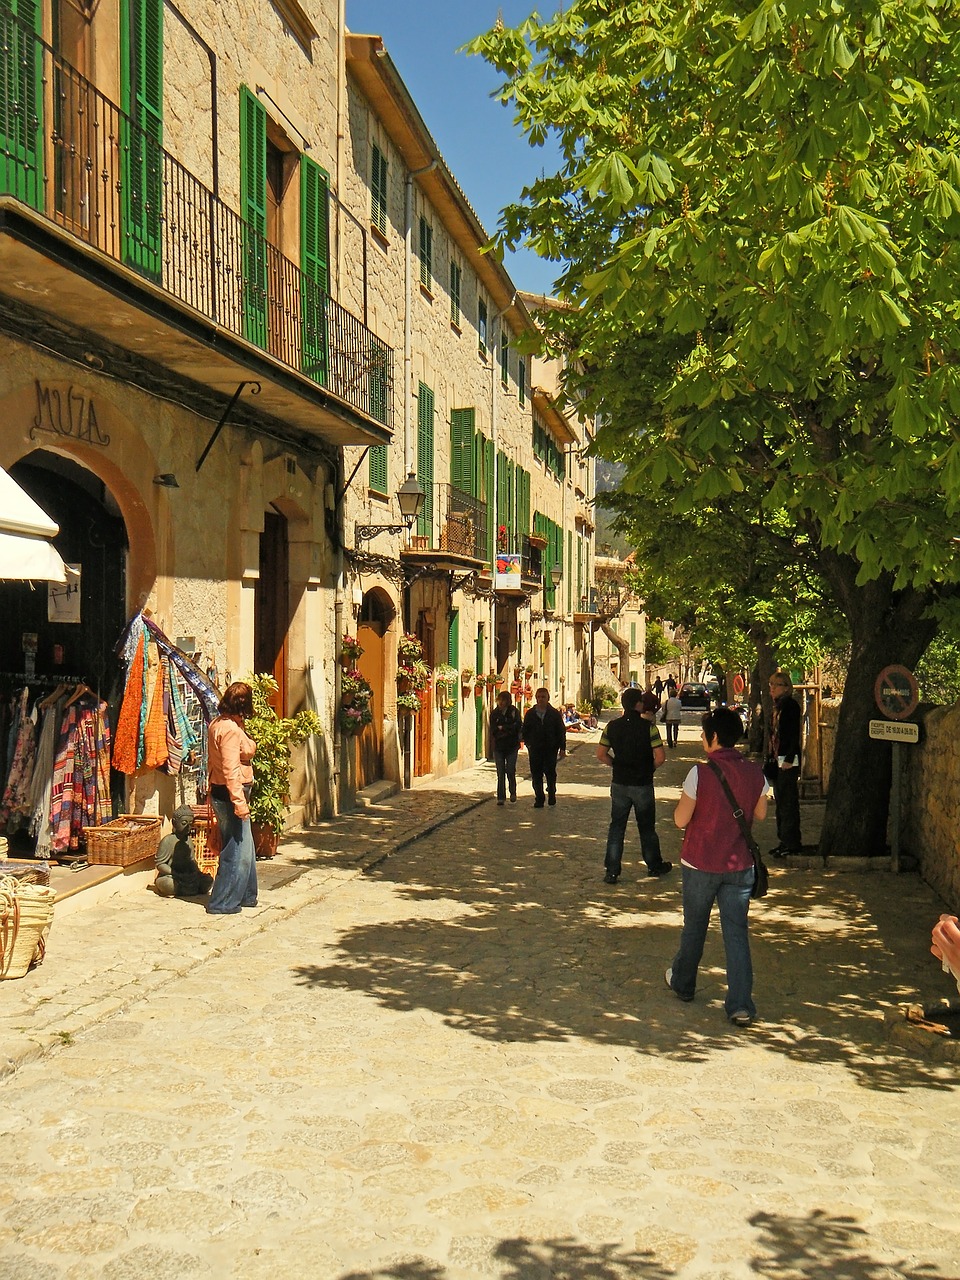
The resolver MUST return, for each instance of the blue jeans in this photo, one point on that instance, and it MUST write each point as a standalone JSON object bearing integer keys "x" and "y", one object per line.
{"x": 731, "y": 891}
{"x": 641, "y": 800}
{"x": 236, "y": 882}
{"x": 506, "y": 763}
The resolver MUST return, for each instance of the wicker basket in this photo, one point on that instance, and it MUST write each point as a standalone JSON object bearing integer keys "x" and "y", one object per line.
{"x": 124, "y": 841}
{"x": 206, "y": 839}
{"x": 26, "y": 914}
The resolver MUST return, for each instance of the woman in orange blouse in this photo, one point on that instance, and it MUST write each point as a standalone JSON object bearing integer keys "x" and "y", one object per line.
{"x": 230, "y": 755}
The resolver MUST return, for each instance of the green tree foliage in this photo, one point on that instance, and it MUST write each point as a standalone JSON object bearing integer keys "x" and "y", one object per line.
{"x": 659, "y": 650}
{"x": 759, "y": 215}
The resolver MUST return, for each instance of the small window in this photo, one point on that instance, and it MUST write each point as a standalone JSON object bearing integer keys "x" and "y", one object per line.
{"x": 522, "y": 381}
{"x": 378, "y": 190}
{"x": 456, "y": 275}
{"x": 482, "y": 328}
{"x": 426, "y": 253}
{"x": 504, "y": 357}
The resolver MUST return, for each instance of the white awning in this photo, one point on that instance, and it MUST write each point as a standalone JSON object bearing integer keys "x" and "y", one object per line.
{"x": 25, "y": 530}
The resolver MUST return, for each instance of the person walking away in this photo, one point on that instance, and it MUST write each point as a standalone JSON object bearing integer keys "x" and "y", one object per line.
{"x": 545, "y": 737}
{"x": 505, "y": 734}
{"x": 658, "y": 690}
{"x": 782, "y": 765}
{"x": 632, "y": 747}
{"x": 671, "y": 685}
{"x": 716, "y": 863}
{"x": 672, "y": 715}
{"x": 230, "y": 755}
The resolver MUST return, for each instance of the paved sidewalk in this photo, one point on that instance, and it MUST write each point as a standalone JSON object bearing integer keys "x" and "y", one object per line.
{"x": 104, "y": 956}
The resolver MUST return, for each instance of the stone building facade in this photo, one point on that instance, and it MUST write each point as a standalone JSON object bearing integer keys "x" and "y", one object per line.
{"x": 208, "y": 315}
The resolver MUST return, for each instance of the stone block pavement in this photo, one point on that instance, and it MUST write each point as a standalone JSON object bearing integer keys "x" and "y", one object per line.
{"x": 441, "y": 1048}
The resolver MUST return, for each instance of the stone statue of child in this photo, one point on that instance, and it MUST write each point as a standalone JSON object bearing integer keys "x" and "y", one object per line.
{"x": 178, "y": 875}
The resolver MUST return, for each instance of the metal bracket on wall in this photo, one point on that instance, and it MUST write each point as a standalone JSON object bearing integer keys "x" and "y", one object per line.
{"x": 254, "y": 391}
{"x": 457, "y": 583}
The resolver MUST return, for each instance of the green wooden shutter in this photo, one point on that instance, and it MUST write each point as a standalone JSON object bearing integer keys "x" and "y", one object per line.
{"x": 425, "y": 458}
{"x": 315, "y": 264}
{"x": 461, "y": 450}
{"x": 426, "y": 253}
{"x": 453, "y": 657}
{"x": 253, "y": 208}
{"x": 378, "y": 189}
{"x": 503, "y": 495}
{"x": 21, "y": 103}
{"x": 568, "y": 570}
{"x": 378, "y": 387}
{"x": 488, "y": 456}
{"x": 141, "y": 84}
{"x": 378, "y": 468}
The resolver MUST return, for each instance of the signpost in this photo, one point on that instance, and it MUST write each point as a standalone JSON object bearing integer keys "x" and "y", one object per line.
{"x": 897, "y": 696}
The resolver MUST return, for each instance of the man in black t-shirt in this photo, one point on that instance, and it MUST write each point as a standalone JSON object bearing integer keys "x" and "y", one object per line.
{"x": 632, "y": 747}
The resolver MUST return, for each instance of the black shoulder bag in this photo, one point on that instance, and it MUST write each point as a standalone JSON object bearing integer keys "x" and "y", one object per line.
{"x": 761, "y": 880}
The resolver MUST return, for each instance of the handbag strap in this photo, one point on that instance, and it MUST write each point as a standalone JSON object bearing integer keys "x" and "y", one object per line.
{"x": 737, "y": 811}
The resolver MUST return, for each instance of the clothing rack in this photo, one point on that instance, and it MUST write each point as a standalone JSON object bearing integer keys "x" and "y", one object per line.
{"x": 21, "y": 677}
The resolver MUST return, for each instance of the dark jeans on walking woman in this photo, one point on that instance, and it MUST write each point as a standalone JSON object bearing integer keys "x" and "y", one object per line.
{"x": 506, "y": 762}
{"x": 236, "y": 883}
{"x": 731, "y": 892}
{"x": 643, "y": 802}
{"x": 673, "y": 731}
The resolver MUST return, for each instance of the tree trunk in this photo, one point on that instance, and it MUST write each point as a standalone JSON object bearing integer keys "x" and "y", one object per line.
{"x": 886, "y": 627}
{"x": 759, "y": 695}
{"x": 623, "y": 649}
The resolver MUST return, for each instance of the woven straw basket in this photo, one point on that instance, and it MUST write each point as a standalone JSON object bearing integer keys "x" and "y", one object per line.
{"x": 26, "y": 914}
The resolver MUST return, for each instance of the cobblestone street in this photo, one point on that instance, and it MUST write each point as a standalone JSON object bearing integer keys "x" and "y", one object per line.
{"x": 444, "y": 1049}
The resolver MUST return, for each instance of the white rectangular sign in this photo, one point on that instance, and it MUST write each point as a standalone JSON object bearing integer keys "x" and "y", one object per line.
{"x": 895, "y": 730}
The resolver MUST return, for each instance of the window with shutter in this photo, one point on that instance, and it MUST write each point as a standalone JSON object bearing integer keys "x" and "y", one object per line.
{"x": 425, "y": 458}
{"x": 141, "y": 84}
{"x": 377, "y": 379}
{"x": 21, "y": 107}
{"x": 315, "y": 264}
{"x": 426, "y": 253}
{"x": 522, "y": 381}
{"x": 378, "y": 189}
{"x": 462, "y": 450}
{"x": 378, "y": 468}
{"x": 456, "y": 278}
{"x": 253, "y": 208}
{"x": 482, "y": 328}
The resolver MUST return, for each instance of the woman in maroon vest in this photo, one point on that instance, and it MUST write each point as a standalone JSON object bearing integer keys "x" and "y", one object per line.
{"x": 717, "y": 864}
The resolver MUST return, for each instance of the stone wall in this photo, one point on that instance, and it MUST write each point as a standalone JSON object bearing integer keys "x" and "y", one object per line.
{"x": 930, "y": 794}
{"x": 931, "y": 801}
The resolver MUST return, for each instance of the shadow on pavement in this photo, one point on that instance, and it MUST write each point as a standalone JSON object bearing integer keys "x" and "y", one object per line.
{"x": 817, "y": 1246}
{"x": 513, "y": 936}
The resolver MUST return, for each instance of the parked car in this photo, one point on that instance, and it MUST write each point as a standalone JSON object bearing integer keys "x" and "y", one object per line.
{"x": 695, "y": 695}
{"x": 713, "y": 688}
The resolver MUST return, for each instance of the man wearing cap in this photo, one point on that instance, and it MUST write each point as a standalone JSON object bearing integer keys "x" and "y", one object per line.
{"x": 632, "y": 747}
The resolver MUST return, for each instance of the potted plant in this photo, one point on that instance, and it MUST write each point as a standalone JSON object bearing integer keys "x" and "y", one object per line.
{"x": 408, "y": 646}
{"x": 355, "y": 695}
{"x": 494, "y": 680}
{"x": 275, "y": 737}
{"x": 350, "y": 650}
{"x": 408, "y": 703}
{"x": 466, "y": 677}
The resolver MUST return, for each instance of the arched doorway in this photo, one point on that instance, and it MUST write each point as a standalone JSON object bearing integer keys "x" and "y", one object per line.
{"x": 376, "y": 615}
{"x": 76, "y": 631}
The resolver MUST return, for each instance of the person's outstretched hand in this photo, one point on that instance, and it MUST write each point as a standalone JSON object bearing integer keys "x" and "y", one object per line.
{"x": 945, "y": 943}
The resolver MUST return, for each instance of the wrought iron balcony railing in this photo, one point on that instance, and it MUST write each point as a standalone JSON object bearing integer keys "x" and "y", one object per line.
{"x": 73, "y": 156}
{"x": 462, "y": 521}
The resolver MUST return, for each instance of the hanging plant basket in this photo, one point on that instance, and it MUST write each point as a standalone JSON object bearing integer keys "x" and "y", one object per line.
{"x": 346, "y": 699}
{"x": 478, "y": 689}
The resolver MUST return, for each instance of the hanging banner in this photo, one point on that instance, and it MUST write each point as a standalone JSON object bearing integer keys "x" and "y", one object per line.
{"x": 508, "y": 573}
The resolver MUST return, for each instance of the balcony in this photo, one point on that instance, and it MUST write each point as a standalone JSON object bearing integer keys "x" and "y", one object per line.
{"x": 452, "y": 522}
{"x": 103, "y": 229}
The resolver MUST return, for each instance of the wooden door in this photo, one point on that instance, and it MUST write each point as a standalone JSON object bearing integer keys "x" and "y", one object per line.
{"x": 370, "y": 666}
{"x": 272, "y": 606}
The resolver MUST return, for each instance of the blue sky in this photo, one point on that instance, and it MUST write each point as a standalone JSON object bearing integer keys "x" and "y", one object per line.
{"x": 485, "y": 151}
